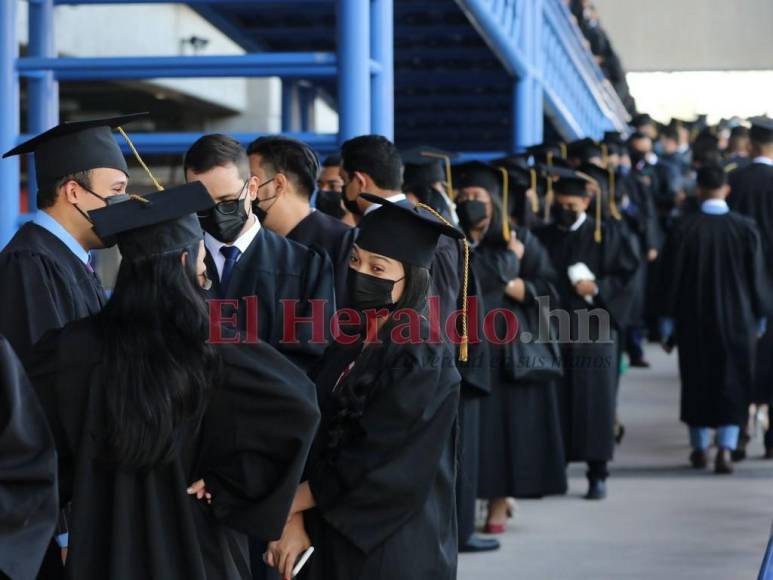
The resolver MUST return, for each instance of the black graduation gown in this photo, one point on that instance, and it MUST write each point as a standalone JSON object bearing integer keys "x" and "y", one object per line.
{"x": 250, "y": 449}
{"x": 713, "y": 287}
{"x": 43, "y": 285}
{"x": 751, "y": 194}
{"x": 323, "y": 232}
{"x": 385, "y": 499}
{"x": 273, "y": 269}
{"x": 28, "y": 492}
{"x": 521, "y": 449}
{"x": 591, "y": 367}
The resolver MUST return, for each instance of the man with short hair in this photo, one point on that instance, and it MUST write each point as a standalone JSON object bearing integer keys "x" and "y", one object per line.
{"x": 246, "y": 260}
{"x": 289, "y": 168}
{"x": 329, "y": 196}
{"x": 48, "y": 279}
{"x": 714, "y": 303}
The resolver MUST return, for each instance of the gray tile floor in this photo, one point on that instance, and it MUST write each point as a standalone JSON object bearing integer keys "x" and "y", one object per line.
{"x": 662, "y": 520}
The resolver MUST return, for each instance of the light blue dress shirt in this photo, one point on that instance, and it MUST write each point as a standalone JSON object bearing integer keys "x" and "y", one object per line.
{"x": 46, "y": 222}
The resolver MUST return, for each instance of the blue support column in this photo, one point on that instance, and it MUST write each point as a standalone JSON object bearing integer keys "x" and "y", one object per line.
{"x": 9, "y": 120}
{"x": 353, "y": 68}
{"x": 528, "y": 106}
{"x": 288, "y": 93}
{"x": 306, "y": 97}
{"x": 43, "y": 90}
{"x": 382, "y": 116}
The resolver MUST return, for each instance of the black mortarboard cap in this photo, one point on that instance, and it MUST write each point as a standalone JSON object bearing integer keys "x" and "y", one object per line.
{"x": 761, "y": 130}
{"x": 642, "y": 119}
{"x": 424, "y": 165}
{"x": 584, "y": 149}
{"x": 541, "y": 152}
{"x": 401, "y": 233}
{"x": 571, "y": 182}
{"x": 79, "y": 146}
{"x": 478, "y": 174}
{"x": 156, "y": 223}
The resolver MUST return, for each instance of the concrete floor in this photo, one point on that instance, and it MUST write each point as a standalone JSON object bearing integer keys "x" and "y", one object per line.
{"x": 662, "y": 520}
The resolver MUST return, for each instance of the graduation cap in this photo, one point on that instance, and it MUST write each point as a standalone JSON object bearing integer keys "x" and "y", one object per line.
{"x": 401, "y": 233}
{"x": 761, "y": 130}
{"x": 642, "y": 119}
{"x": 495, "y": 180}
{"x": 425, "y": 165}
{"x": 78, "y": 146}
{"x": 575, "y": 183}
{"x": 155, "y": 224}
{"x": 548, "y": 151}
{"x": 584, "y": 149}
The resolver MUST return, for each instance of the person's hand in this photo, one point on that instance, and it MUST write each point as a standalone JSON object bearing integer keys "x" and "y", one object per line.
{"x": 283, "y": 553}
{"x": 586, "y": 288}
{"x": 652, "y": 255}
{"x": 515, "y": 245}
{"x": 199, "y": 489}
{"x": 516, "y": 289}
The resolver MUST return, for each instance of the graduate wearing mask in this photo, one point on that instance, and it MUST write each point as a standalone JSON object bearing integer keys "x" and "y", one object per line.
{"x": 246, "y": 259}
{"x": 28, "y": 490}
{"x": 426, "y": 179}
{"x": 48, "y": 279}
{"x": 372, "y": 164}
{"x": 193, "y": 445}
{"x": 751, "y": 194}
{"x": 329, "y": 197}
{"x": 378, "y": 502}
{"x": 295, "y": 165}
{"x": 714, "y": 304}
{"x": 521, "y": 452}
{"x": 594, "y": 267}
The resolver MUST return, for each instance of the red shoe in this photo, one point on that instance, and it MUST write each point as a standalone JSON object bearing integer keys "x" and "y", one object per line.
{"x": 495, "y": 528}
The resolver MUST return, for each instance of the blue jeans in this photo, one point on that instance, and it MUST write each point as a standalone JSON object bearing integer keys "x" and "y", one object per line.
{"x": 727, "y": 437}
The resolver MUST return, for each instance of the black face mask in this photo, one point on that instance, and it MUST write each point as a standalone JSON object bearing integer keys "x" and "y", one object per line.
{"x": 108, "y": 241}
{"x": 256, "y": 207}
{"x": 329, "y": 202}
{"x": 637, "y": 156}
{"x": 226, "y": 220}
{"x": 565, "y": 217}
{"x": 471, "y": 213}
{"x": 367, "y": 291}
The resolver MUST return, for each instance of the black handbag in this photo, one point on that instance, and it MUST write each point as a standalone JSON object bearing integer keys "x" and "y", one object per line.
{"x": 532, "y": 358}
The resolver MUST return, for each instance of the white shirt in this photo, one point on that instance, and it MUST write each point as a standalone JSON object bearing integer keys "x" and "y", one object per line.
{"x": 580, "y": 220}
{"x": 393, "y": 198}
{"x": 242, "y": 242}
{"x": 763, "y": 160}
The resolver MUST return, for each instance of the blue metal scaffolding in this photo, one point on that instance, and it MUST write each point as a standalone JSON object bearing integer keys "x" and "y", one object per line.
{"x": 475, "y": 76}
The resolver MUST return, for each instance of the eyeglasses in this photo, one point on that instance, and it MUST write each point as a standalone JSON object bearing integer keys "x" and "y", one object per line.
{"x": 229, "y": 206}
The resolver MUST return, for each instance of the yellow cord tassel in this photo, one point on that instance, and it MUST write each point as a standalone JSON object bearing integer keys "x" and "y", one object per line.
{"x": 464, "y": 342}
{"x": 156, "y": 184}
{"x": 613, "y": 211}
{"x": 533, "y": 187}
{"x": 505, "y": 203}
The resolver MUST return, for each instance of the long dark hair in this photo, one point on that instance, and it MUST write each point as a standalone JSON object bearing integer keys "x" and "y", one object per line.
{"x": 381, "y": 357}
{"x": 159, "y": 364}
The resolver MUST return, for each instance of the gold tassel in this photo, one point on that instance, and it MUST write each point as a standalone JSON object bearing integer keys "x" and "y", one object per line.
{"x": 533, "y": 187}
{"x": 463, "y": 344}
{"x": 599, "y": 201}
{"x": 157, "y": 185}
{"x": 505, "y": 203}
{"x": 613, "y": 211}
{"x": 447, "y": 165}
{"x": 562, "y": 148}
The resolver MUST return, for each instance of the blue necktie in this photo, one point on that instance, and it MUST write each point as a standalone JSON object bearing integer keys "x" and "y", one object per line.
{"x": 231, "y": 254}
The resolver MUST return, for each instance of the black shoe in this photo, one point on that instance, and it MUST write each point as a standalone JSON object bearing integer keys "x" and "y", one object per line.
{"x": 639, "y": 363}
{"x": 738, "y": 455}
{"x": 723, "y": 464}
{"x": 699, "y": 459}
{"x": 597, "y": 489}
{"x": 477, "y": 544}
{"x": 768, "y": 453}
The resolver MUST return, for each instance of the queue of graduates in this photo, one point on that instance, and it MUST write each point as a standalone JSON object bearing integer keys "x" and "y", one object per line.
{"x": 267, "y": 373}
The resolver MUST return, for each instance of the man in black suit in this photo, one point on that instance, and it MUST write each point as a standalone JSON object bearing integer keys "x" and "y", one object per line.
{"x": 285, "y": 284}
{"x": 289, "y": 168}
{"x": 751, "y": 194}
